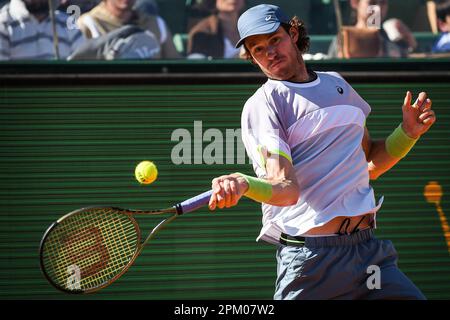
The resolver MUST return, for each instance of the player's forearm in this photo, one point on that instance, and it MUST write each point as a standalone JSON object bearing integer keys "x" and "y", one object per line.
{"x": 284, "y": 193}
{"x": 278, "y": 188}
{"x": 379, "y": 160}
{"x": 383, "y": 155}
{"x": 284, "y": 187}
{"x": 277, "y": 191}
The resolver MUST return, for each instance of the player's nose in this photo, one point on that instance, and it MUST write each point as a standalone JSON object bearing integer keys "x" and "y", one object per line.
{"x": 270, "y": 52}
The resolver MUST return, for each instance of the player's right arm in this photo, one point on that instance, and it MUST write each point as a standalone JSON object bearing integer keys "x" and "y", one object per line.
{"x": 280, "y": 178}
{"x": 265, "y": 140}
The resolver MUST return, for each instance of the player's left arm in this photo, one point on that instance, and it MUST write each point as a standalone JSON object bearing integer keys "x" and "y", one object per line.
{"x": 382, "y": 155}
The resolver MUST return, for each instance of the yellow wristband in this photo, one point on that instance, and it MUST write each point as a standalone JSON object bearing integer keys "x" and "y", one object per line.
{"x": 258, "y": 189}
{"x": 398, "y": 144}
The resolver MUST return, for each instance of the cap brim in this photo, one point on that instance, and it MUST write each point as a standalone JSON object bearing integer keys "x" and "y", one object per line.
{"x": 266, "y": 29}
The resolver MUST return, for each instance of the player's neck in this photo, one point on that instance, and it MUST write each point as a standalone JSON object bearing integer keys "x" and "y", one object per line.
{"x": 301, "y": 74}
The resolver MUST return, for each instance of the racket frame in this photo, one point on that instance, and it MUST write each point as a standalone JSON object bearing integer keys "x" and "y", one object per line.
{"x": 186, "y": 206}
{"x": 140, "y": 244}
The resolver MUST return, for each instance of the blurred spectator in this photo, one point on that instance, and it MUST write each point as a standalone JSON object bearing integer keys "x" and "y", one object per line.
{"x": 393, "y": 39}
{"x": 443, "y": 19}
{"x": 149, "y": 7}
{"x": 26, "y": 32}
{"x": 321, "y": 18}
{"x": 431, "y": 14}
{"x": 216, "y": 35}
{"x": 197, "y": 10}
{"x": 84, "y": 5}
{"x": 127, "y": 42}
{"x": 413, "y": 13}
{"x": 110, "y": 15}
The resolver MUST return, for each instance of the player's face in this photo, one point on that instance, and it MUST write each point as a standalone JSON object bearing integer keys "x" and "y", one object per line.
{"x": 122, "y": 4}
{"x": 276, "y": 53}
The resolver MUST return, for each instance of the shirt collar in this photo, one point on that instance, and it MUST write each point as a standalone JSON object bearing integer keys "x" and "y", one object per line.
{"x": 311, "y": 83}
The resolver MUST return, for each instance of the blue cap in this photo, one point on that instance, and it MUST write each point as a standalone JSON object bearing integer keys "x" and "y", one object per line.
{"x": 261, "y": 19}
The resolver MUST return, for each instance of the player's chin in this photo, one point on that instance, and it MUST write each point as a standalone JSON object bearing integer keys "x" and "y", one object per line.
{"x": 280, "y": 71}
{"x": 278, "y": 67}
{"x": 279, "y": 75}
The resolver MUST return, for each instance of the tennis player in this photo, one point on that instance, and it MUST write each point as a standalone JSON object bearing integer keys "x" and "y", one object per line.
{"x": 313, "y": 156}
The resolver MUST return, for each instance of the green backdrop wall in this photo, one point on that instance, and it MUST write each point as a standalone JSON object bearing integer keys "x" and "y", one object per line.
{"x": 62, "y": 148}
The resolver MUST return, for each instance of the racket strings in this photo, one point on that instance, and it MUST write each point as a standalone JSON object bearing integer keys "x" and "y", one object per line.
{"x": 92, "y": 246}
{"x": 67, "y": 247}
{"x": 100, "y": 264}
{"x": 97, "y": 257}
{"x": 123, "y": 256}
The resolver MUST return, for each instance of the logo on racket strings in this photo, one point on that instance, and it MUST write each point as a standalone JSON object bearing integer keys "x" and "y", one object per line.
{"x": 87, "y": 251}
{"x": 74, "y": 277}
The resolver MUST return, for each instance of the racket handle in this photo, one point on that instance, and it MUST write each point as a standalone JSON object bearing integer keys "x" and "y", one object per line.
{"x": 194, "y": 203}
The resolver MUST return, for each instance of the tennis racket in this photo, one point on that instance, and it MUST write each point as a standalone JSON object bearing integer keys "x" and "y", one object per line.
{"x": 88, "y": 249}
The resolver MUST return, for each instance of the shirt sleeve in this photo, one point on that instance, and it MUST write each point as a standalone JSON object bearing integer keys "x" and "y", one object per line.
{"x": 359, "y": 102}
{"x": 263, "y": 133}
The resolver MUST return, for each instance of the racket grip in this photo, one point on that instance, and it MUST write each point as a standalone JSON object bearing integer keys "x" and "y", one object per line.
{"x": 194, "y": 203}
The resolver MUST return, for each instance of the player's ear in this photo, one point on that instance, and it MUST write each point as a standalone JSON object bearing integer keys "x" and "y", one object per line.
{"x": 293, "y": 33}
{"x": 244, "y": 53}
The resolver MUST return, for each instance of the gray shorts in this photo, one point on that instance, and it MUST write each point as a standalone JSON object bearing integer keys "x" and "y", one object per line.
{"x": 356, "y": 266}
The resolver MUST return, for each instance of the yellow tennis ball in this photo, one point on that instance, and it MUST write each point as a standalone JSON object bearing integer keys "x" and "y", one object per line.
{"x": 146, "y": 172}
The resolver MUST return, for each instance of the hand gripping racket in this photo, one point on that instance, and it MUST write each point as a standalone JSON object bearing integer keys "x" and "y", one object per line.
{"x": 90, "y": 248}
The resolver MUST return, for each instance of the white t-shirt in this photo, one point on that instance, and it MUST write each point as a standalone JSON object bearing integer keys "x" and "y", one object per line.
{"x": 319, "y": 127}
